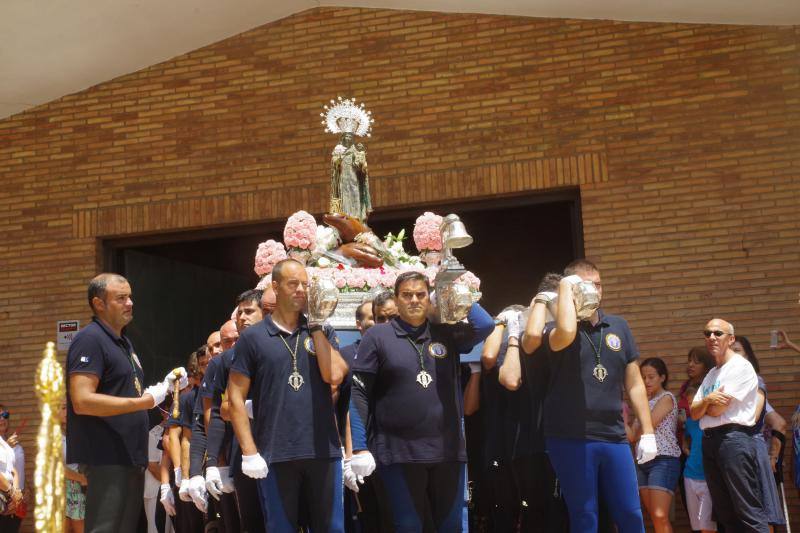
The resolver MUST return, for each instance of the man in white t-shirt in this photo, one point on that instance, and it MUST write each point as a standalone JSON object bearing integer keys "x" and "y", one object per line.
{"x": 725, "y": 405}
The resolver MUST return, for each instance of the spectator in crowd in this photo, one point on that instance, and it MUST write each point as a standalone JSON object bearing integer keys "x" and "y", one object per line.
{"x": 10, "y": 481}
{"x": 75, "y": 484}
{"x": 697, "y": 497}
{"x": 769, "y": 421}
{"x": 659, "y": 477}
{"x": 12, "y": 522}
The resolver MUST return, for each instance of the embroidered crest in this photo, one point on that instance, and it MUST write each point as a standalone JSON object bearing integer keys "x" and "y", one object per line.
{"x": 437, "y": 350}
{"x": 613, "y": 342}
{"x": 309, "y": 346}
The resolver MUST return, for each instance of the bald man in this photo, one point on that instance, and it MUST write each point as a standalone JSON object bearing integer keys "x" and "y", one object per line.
{"x": 725, "y": 405}
{"x": 228, "y": 335}
{"x": 214, "y": 345}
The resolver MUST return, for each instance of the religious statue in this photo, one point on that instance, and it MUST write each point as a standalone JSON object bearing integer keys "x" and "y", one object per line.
{"x": 349, "y": 176}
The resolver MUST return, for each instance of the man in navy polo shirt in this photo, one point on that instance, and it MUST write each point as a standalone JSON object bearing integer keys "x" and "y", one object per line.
{"x": 384, "y": 308}
{"x": 590, "y": 365}
{"x": 407, "y": 394}
{"x": 107, "y": 409}
{"x": 288, "y": 363}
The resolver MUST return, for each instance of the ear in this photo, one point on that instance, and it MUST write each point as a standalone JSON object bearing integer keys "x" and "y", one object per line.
{"x": 98, "y": 303}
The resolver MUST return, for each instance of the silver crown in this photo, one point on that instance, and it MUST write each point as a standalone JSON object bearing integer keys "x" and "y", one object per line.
{"x": 344, "y": 116}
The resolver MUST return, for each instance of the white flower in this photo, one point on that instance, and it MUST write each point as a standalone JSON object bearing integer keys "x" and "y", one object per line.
{"x": 326, "y": 239}
{"x": 324, "y": 262}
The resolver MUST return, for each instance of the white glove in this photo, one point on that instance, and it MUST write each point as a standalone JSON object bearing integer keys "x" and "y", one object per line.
{"x": 573, "y": 279}
{"x": 351, "y": 480}
{"x": 513, "y": 326}
{"x": 178, "y": 476}
{"x": 227, "y": 479}
{"x": 545, "y": 297}
{"x": 475, "y": 367}
{"x": 171, "y": 377}
{"x": 646, "y": 450}
{"x": 183, "y": 491}
{"x": 254, "y": 466}
{"x": 248, "y": 407}
{"x": 167, "y": 499}
{"x": 197, "y": 491}
{"x": 362, "y": 464}
{"x": 213, "y": 482}
{"x": 506, "y": 316}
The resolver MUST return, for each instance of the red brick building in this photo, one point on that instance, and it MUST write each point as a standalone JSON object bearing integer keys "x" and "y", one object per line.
{"x": 682, "y": 141}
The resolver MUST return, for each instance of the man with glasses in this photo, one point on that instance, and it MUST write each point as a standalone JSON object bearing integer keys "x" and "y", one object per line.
{"x": 726, "y": 406}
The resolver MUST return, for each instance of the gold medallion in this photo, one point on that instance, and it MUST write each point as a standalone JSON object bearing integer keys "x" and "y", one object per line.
{"x": 600, "y": 373}
{"x": 296, "y": 380}
{"x": 424, "y": 379}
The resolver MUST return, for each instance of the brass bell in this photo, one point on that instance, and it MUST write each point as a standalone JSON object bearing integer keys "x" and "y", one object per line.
{"x": 454, "y": 234}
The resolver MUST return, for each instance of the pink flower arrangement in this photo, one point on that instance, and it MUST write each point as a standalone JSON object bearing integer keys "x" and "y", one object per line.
{"x": 267, "y": 256}
{"x": 472, "y": 281}
{"x": 300, "y": 231}
{"x": 426, "y": 232}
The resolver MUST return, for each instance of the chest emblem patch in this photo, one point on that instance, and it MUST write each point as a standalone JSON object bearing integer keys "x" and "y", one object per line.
{"x": 437, "y": 350}
{"x": 308, "y": 344}
{"x": 613, "y": 342}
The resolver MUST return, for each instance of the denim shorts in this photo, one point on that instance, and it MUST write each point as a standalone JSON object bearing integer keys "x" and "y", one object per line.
{"x": 661, "y": 473}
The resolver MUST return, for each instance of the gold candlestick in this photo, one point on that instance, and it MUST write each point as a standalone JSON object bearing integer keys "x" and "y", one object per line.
{"x": 49, "y": 473}
{"x": 176, "y": 408}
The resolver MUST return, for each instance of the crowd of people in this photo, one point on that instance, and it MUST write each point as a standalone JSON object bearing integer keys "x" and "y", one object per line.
{"x": 559, "y": 426}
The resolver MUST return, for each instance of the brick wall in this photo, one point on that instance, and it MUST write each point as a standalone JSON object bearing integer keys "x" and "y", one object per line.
{"x": 684, "y": 140}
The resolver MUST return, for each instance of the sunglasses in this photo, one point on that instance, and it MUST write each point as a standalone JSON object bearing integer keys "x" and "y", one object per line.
{"x": 716, "y": 333}
{"x": 5, "y": 414}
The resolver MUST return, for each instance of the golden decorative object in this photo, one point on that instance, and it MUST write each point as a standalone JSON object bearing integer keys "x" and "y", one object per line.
{"x": 49, "y": 473}
{"x": 176, "y": 408}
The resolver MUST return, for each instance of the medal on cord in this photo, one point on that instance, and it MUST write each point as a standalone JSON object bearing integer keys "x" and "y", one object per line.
{"x": 600, "y": 373}
{"x": 295, "y": 378}
{"x": 423, "y": 378}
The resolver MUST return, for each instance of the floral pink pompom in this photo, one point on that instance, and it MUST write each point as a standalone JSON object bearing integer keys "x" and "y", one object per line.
{"x": 300, "y": 231}
{"x": 267, "y": 256}
{"x": 472, "y": 281}
{"x": 426, "y": 232}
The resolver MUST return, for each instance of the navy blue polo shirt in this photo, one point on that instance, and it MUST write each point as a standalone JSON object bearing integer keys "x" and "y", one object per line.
{"x": 409, "y": 423}
{"x": 499, "y": 411}
{"x": 106, "y": 440}
{"x": 186, "y": 404}
{"x": 530, "y": 400}
{"x": 345, "y": 388}
{"x": 288, "y": 424}
{"x": 577, "y": 405}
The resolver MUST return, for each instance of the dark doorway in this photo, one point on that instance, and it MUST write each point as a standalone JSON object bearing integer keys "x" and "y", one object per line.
{"x": 184, "y": 285}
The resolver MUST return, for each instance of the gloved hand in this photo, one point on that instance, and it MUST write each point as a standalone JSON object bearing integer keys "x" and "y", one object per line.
{"x": 474, "y": 367}
{"x": 183, "y": 491}
{"x": 573, "y": 279}
{"x": 351, "y": 480}
{"x": 248, "y": 407}
{"x": 227, "y": 479}
{"x": 178, "y": 476}
{"x": 254, "y": 466}
{"x": 167, "y": 499}
{"x": 514, "y": 327}
{"x": 197, "y": 491}
{"x": 505, "y": 316}
{"x": 159, "y": 391}
{"x": 362, "y": 464}
{"x": 213, "y": 482}
{"x": 646, "y": 449}
{"x": 545, "y": 297}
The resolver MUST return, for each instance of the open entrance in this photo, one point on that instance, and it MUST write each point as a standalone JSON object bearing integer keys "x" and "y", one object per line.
{"x": 184, "y": 284}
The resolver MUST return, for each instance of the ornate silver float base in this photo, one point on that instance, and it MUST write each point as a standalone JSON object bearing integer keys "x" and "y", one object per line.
{"x": 345, "y": 315}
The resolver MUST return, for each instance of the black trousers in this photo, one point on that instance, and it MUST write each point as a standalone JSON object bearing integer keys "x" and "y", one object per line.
{"x": 248, "y": 502}
{"x": 114, "y": 498}
{"x": 543, "y": 507}
{"x": 731, "y": 467}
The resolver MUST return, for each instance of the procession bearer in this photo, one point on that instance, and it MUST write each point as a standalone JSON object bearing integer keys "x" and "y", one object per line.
{"x": 288, "y": 364}
{"x": 407, "y": 393}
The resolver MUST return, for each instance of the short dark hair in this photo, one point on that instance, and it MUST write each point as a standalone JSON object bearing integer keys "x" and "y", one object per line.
{"x": 277, "y": 270}
{"x": 251, "y": 295}
{"x": 549, "y": 282}
{"x": 749, "y": 352}
{"x": 701, "y": 355}
{"x": 359, "y": 310}
{"x": 380, "y": 300}
{"x": 192, "y": 366}
{"x": 99, "y": 283}
{"x": 660, "y": 367}
{"x": 580, "y": 265}
{"x": 411, "y": 275}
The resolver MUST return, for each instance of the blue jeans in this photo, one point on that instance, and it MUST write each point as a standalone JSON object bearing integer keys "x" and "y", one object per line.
{"x": 585, "y": 467}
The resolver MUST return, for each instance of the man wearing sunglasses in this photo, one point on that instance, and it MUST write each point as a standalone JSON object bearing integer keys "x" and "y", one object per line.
{"x": 725, "y": 405}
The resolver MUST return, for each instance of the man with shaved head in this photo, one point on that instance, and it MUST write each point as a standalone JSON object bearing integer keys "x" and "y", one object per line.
{"x": 228, "y": 335}
{"x": 725, "y": 405}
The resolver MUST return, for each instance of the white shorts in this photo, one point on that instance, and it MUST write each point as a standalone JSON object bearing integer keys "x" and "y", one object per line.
{"x": 698, "y": 504}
